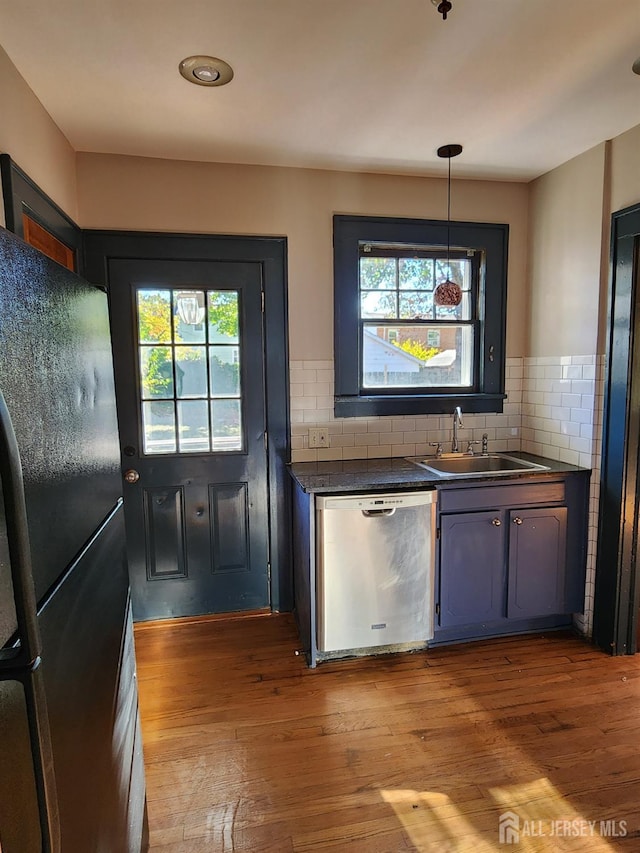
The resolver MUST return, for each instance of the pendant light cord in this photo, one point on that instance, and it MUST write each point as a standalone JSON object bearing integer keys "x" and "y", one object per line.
{"x": 449, "y": 151}
{"x": 449, "y": 221}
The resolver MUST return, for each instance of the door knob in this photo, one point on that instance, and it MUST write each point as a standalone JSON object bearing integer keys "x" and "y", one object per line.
{"x": 517, "y": 520}
{"x": 131, "y": 476}
{"x": 496, "y": 522}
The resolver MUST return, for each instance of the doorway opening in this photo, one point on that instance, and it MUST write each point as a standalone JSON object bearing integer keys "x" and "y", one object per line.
{"x": 617, "y": 587}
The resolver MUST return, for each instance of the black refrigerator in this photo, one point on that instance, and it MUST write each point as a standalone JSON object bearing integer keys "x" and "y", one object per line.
{"x": 71, "y": 768}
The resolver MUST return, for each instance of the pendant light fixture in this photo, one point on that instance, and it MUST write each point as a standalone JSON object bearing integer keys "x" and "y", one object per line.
{"x": 444, "y": 7}
{"x": 448, "y": 293}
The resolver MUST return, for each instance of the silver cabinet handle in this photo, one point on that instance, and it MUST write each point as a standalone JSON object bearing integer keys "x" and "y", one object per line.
{"x": 131, "y": 476}
{"x": 517, "y": 520}
{"x": 496, "y": 522}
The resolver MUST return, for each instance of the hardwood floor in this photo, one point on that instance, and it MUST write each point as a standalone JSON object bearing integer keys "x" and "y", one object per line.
{"x": 248, "y": 750}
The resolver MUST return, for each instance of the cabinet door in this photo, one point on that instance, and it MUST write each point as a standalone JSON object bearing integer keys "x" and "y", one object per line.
{"x": 537, "y": 559}
{"x": 472, "y": 557}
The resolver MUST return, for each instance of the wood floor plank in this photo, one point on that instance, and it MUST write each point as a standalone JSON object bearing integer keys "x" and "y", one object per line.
{"x": 247, "y": 749}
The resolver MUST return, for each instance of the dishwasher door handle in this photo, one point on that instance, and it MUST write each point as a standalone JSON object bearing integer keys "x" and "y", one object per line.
{"x": 372, "y": 513}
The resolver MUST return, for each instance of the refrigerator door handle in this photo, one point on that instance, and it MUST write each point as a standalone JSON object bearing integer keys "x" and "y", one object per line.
{"x": 15, "y": 510}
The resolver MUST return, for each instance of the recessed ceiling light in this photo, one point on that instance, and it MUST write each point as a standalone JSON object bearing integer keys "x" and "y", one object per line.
{"x": 636, "y": 66}
{"x": 206, "y": 70}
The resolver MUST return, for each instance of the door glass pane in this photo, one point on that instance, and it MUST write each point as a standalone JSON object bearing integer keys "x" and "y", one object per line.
{"x": 156, "y": 372}
{"x": 193, "y": 426}
{"x": 223, "y": 316}
{"x": 189, "y": 316}
{"x": 154, "y": 316}
{"x": 189, "y": 355}
{"x": 421, "y": 356}
{"x": 225, "y": 371}
{"x": 191, "y": 371}
{"x": 226, "y": 424}
{"x": 159, "y": 427}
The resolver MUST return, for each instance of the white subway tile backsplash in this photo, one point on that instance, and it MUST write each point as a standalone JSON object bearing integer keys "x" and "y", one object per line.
{"x": 570, "y": 428}
{"x": 553, "y": 372}
{"x": 582, "y": 445}
{"x": 365, "y": 439}
{"x": 318, "y": 389}
{"x": 572, "y": 371}
{"x": 581, "y": 386}
{"x": 302, "y": 375}
{"x": 381, "y": 452}
{"x": 582, "y": 416}
{"x": 571, "y": 400}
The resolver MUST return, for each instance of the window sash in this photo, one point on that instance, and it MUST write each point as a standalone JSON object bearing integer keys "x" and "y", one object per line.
{"x": 472, "y": 354}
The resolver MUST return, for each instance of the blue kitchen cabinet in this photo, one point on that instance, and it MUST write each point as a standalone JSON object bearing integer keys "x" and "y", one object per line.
{"x": 512, "y": 556}
{"x": 472, "y": 553}
{"x": 537, "y": 562}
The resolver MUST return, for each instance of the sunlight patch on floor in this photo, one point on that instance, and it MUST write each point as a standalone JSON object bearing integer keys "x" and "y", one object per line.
{"x": 536, "y": 819}
{"x": 434, "y": 823}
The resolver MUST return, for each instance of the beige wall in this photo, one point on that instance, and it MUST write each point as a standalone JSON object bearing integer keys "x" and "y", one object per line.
{"x": 147, "y": 194}
{"x": 565, "y": 241}
{"x": 34, "y": 142}
{"x": 625, "y": 169}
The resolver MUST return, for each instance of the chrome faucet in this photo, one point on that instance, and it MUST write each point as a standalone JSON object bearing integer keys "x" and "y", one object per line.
{"x": 457, "y": 421}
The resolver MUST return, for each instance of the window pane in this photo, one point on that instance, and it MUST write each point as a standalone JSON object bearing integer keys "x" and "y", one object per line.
{"x": 425, "y": 356}
{"x": 189, "y": 316}
{"x": 379, "y": 304}
{"x": 455, "y": 312}
{"x": 154, "y": 316}
{"x": 458, "y": 270}
{"x": 417, "y": 305}
{"x": 416, "y": 273}
{"x": 191, "y": 372}
{"x": 223, "y": 316}
{"x": 225, "y": 371}
{"x": 193, "y": 426}
{"x": 156, "y": 372}
{"x": 159, "y": 425}
{"x": 226, "y": 424}
{"x": 378, "y": 273}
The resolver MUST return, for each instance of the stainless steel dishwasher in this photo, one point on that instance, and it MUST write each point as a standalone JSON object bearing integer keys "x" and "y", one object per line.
{"x": 375, "y": 570}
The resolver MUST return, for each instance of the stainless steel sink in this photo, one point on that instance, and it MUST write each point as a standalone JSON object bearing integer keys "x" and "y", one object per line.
{"x": 462, "y": 465}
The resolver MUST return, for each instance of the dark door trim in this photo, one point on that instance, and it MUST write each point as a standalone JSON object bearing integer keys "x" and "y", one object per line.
{"x": 271, "y": 252}
{"x": 617, "y": 585}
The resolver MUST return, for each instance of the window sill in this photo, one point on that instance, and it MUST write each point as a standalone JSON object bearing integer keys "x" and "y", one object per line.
{"x": 427, "y": 404}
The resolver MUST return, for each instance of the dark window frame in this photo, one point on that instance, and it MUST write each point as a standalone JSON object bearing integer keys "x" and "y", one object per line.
{"x": 349, "y": 232}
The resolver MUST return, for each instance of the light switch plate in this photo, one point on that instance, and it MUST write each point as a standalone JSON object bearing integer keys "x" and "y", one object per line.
{"x": 318, "y": 438}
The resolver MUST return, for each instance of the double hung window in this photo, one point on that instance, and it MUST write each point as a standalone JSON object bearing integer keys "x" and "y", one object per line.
{"x": 419, "y": 316}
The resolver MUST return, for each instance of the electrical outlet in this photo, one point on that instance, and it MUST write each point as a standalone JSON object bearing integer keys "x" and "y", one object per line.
{"x": 318, "y": 438}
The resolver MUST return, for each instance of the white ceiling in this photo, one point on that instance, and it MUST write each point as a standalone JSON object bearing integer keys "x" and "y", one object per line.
{"x": 367, "y": 85}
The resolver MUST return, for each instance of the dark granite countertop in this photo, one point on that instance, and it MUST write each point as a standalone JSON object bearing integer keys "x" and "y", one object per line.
{"x": 357, "y": 475}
